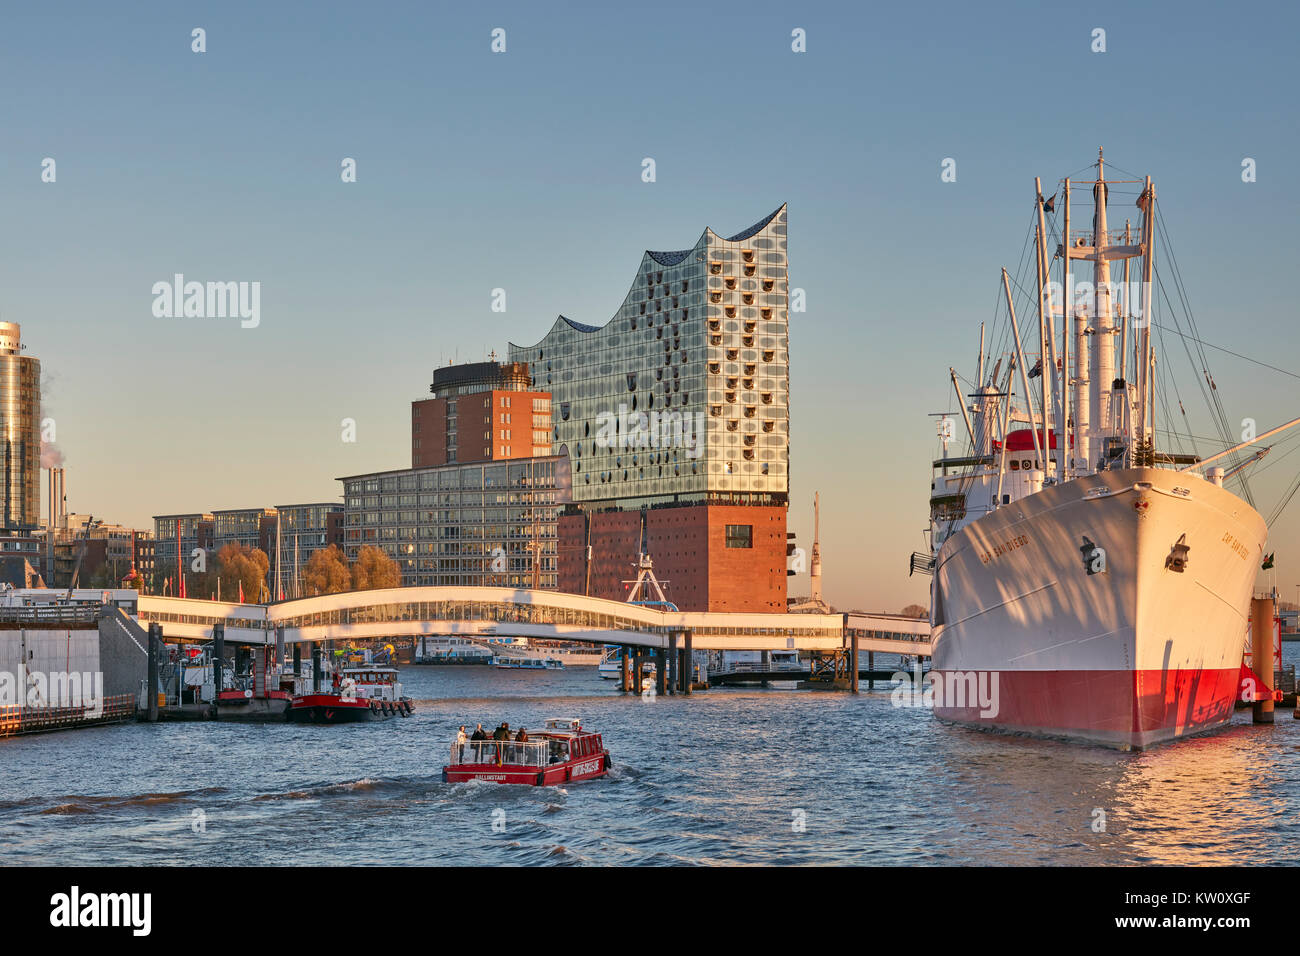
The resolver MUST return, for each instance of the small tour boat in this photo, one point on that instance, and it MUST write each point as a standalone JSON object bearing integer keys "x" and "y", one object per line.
{"x": 561, "y": 753}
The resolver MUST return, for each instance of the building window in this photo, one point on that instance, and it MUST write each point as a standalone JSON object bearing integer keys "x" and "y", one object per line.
{"x": 740, "y": 536}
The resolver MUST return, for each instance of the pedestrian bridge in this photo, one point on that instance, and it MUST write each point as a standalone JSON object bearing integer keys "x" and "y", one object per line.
{"x": 485, "y": 612}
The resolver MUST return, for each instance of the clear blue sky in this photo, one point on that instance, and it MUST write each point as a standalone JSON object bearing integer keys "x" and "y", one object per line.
{"x": 522, "y": 171}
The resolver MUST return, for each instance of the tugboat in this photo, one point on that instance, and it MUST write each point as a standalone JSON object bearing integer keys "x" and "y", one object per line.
{"x": 362, "y": 691}
{"x": 561, "y": 753}
{"x": 341, "y": 705}
{"x": 378, "y": 685}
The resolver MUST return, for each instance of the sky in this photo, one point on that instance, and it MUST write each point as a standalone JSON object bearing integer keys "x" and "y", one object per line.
{"x": 521, "y": 170}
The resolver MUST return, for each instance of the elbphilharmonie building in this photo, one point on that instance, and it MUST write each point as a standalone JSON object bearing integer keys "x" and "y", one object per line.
{"x": 675, "y": 417}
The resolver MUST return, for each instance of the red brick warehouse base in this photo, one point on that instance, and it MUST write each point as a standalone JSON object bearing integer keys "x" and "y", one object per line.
{"x": 707, "y": 567}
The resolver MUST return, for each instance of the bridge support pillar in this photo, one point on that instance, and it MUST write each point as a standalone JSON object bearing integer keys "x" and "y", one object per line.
{"x": 661, "y": 672}
{"x": 853, "y": 662}
{"x": 689, "y": 659}
{"x": 297, "y": 659}
{"x": 871, "y": 669}
{"x": 673, "y": 662}
{"x": 624, "y": 675}
{"x": 767, "y": 664}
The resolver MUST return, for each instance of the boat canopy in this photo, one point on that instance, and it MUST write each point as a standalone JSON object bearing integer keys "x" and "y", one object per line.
{"x": 563, "y": 723}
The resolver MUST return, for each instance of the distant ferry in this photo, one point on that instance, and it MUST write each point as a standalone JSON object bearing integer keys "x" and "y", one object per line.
{"x": 528, "y": 663}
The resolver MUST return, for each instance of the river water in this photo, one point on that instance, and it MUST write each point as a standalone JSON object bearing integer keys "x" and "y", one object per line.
{"x": 727, "y": 776}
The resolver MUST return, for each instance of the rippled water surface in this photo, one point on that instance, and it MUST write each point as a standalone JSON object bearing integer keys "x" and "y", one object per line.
{"x": 758, "y": 776}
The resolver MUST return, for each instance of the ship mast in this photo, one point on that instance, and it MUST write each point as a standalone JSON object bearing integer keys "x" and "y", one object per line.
{"x": 1047, "y": 345}
{"x": 815, "y": 568}
{"x": 1146, "y": 404}
{"x": 1103, "y": 323}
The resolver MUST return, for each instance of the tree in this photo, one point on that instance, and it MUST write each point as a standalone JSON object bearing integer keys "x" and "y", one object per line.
{"x": 374, "y": 569}
{"x": 238, "y": 565}
{"x": 914, "y": 610}
{"x": 326, "y": 572}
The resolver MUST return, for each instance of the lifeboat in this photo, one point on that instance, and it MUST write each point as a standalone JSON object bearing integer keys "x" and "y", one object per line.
{"x": 562, "y": 752}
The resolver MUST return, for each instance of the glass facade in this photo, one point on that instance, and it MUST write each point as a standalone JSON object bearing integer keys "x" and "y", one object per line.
{"x": 684, "y": 394}
{"x": 195, "y": 532}
{"x": 462, "y": 524}
{"x": 304, "y": 530}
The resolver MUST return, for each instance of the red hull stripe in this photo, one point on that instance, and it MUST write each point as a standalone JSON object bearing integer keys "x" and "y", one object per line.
{"x": 325, "y": 700}
{"x": 1137, "y": 708}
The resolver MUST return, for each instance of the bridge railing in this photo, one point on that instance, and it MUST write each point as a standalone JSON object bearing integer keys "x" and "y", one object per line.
{"x": 527, "y": 753}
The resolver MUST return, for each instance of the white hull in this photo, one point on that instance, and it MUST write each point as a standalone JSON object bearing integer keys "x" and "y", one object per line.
{"x": 1130, "y": 656}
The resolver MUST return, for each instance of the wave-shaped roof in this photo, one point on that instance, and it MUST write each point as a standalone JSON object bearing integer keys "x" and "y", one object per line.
{"x": 756, "y": 228}
{"x": 669, "y": 258}
{"x": 580, "y": 326}
{"x": 664, "y": 259}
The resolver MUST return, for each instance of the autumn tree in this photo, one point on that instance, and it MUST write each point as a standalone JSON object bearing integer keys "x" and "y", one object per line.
{"x": 374, "y": 569}
{"x": 326, "y": 572}
{"x": 238, "y": 564}
{"x": 914, "y": 610}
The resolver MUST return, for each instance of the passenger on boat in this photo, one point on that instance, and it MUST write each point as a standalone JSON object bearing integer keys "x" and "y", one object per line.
{"x": 476, "y": 747}
{"x": 500, "y": 736}
{"x": 460, "y": 743}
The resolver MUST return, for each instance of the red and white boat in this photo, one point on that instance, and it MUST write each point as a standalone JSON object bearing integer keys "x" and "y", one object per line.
{"x": 1088, "y": 582}
{"x": 561, "y": 753}
{"x": 364, "y": 692}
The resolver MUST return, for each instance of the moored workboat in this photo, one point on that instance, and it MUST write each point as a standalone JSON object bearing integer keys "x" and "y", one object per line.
{"x": 364, "y": 692}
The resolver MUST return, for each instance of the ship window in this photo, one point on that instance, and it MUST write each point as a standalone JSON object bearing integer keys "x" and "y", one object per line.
{"x": 1015, "y": 464}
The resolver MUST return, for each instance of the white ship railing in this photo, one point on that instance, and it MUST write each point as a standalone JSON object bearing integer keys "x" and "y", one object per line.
{"x": 488, "y": 753}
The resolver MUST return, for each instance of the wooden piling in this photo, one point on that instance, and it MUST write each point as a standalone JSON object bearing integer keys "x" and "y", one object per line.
{"x": 853, "y": 661}
{"x": 155, "y": 642}
{"x": 661, "y": 672}
{"x": 871, "y": 670}
{"x": 625, "y": 679}
{"x": 218, "y": 658}
{"x": 673, "y": 662}
{"x": 1262, "y": 613}
{"x": 689, "y": 656}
